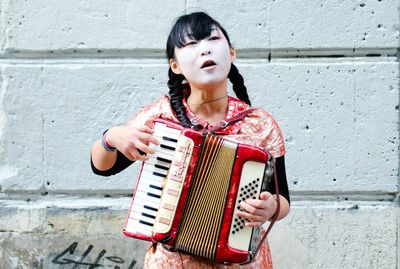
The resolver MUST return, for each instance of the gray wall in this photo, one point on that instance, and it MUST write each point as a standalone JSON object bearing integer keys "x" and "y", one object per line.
{"x": 327, "y": 70}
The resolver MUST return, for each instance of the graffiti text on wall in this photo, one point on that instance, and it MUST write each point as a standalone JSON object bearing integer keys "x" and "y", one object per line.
{"x": 67, "y": 257}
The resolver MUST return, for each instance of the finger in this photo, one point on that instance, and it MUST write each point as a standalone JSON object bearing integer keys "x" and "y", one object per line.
{"x": 249, "y": 217}
{"x": 129, "y": 156}
{"x": 144, "y": 148}
{"x": 154, "y": 140}
{"x": 251, "y": 209}
{"x": 134, "y": 155}
{"x": 252, "y": 224}
{"x": 265, "y": 195}
{"x": 251, "y": 220}
{"x": 138, "y": 156}
{"x": 256, "y": 203}
{"x": 146, "y": 129}
{"x": 146, "y": 138}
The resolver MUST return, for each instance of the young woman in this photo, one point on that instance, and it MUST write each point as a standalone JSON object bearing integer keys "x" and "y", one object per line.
{"x": 201, "y": 59}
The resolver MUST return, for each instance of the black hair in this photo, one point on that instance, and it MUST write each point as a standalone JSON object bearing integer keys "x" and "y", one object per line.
{"x": 197, "y": 26}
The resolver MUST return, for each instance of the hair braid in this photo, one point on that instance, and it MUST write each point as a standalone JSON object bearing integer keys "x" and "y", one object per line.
{"x": 176, "y": 90}
{"x": 238, "y": 84}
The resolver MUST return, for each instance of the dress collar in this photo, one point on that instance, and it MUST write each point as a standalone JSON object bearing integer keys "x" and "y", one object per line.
{"x": 235, "y": 106}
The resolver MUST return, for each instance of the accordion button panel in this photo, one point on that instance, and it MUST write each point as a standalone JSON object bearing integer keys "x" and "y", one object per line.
{"x": 250, "y": 187}
{"x": 147, "y": 200}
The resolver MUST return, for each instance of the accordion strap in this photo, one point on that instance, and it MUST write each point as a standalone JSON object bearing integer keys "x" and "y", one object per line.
{"x": 224, "y": 123}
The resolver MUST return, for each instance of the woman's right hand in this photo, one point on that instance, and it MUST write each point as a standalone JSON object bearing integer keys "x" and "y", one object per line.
{"x": 128, "y": 140}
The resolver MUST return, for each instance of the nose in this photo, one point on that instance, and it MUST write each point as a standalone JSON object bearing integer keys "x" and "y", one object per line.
{"x": 205, "y": 48}
{"x": 205, "y": 52}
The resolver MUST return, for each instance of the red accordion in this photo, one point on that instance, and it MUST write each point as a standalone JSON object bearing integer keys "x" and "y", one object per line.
{"x": 188, "y": 190}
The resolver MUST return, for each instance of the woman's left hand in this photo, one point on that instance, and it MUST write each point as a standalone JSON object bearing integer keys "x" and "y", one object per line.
{"x": 258, "y": 211}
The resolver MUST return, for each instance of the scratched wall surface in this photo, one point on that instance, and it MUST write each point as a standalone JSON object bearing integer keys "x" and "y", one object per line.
{"x": 327, "y": 71}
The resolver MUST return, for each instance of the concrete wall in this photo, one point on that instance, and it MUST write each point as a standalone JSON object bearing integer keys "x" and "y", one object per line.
{"x": 327, "y": 70}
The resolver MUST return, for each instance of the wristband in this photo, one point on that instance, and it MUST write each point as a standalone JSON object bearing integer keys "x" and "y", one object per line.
{"x": 105, "y": 144}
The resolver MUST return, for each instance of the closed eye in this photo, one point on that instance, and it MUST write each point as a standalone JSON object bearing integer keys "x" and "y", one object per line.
{"x": 189, "y": 43}
{"x": 214, "y": 37}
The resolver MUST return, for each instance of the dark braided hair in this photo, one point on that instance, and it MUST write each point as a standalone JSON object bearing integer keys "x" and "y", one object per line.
{"x": 176, "y": 94}
{"x": 197, "y": 26}
{"x": 238, "y": 84}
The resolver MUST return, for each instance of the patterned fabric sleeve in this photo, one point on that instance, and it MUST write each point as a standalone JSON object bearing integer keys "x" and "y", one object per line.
{"x": 273, "y": 140}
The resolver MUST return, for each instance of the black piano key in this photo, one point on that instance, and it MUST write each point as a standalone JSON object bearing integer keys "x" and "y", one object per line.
{"x": 167, "y": 147}
{"x": 145, "y": 223}
{"x": 164, "y": 160}
{"x": 155, "y": 187}
{"x": 150, "y": 208}
{"x": 161, "y": 167}
{"x": 159, "y": 174}
{"x": 170, "y": 139}
{"x": 154, "y": 195}
{"x": 148, "y": 215}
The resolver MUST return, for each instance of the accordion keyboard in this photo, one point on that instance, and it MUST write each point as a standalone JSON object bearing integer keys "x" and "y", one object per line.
{"x": 143, "y": 213}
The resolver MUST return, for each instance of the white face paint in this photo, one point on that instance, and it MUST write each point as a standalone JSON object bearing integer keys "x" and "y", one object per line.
{"x": 205, "y": 62}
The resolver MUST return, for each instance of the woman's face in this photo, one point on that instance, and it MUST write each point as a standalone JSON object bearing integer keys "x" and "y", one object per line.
{"x": 204, "y": 62}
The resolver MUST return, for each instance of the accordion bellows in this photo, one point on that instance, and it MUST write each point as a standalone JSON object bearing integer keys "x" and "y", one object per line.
{"x": 188, "y": 190}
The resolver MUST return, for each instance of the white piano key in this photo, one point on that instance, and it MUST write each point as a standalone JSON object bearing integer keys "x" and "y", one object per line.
{"x": 170, "y": 140}
{"x": 159, "y": 156}
{"x": 147, "y": 189}
{"x": 151, "y": 184}
{"x": 155, "y": 161}
{"x": 134, "y": 226}
{"x": 151, "y": 168}
{"x": 140, "y": 217}
{"x": 167, "y": 133}
{"x": 141, "y": 202}
{"x": 155, "y": 187}
{"x": 167, "y": 139}
{"x": 146, "y": 197}
{"x": 163, "y": 150}
{"x": 160, "y": 151}
{"x": 146, "y": 175}
{"x": 160, "y": 127}
{"x": 152, "y": 187}
{"x": 141, "y": 208}
{"x": 162, "y": 167}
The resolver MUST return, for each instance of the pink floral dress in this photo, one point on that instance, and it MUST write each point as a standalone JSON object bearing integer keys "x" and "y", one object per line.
{"x": 259, "y": 128}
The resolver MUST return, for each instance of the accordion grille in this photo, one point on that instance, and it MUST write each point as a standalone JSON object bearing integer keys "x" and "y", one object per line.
{"x": 203, "y": 214}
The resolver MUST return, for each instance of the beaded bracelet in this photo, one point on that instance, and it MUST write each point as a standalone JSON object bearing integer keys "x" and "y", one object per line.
{"x": 105, "y": 144}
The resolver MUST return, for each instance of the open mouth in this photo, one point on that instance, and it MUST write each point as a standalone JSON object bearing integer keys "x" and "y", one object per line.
{"x": 208, "y": 64}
